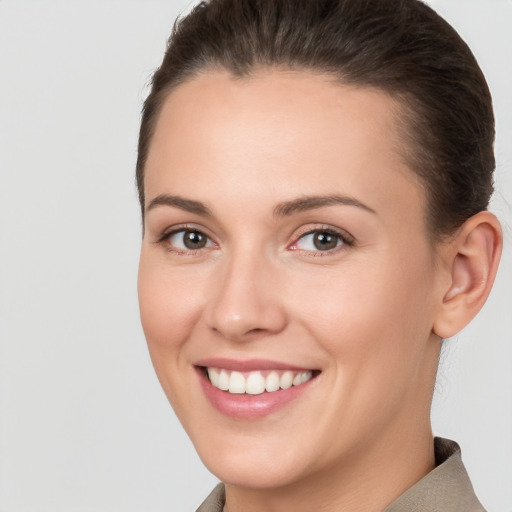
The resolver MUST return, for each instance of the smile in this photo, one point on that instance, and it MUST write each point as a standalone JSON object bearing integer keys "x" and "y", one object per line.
{"x": 256, "y": 382}
{"x": 253, "y": 389}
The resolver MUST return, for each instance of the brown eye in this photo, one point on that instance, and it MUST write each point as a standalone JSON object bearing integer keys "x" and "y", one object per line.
{"x": 321, "y": 240}
{"x": 324, "y": 241}
{"x": 194, "y": 240}
{"x": 189, "y": 240}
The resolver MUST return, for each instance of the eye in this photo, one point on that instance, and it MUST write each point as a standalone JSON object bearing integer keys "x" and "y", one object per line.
{"x": 322, "y": 240}
{"x": 188, "y": 240}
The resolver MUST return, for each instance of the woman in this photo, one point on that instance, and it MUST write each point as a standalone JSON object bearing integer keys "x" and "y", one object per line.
{"x": 314, "y": 180}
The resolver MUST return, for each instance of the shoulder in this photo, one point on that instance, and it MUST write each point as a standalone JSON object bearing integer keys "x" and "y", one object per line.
{"x": 215, "y": 500}
{"x": 446, "y": 488}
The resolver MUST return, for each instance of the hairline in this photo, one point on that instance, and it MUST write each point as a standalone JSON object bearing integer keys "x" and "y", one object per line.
{"x": 405, "y": 106}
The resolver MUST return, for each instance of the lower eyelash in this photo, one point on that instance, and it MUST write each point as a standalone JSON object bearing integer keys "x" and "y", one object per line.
{"x": 346, "y": 239}
{"x": 165, "y": 235}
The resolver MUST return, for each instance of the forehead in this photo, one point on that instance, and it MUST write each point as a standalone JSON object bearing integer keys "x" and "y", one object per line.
{"x": 300, "y": 130}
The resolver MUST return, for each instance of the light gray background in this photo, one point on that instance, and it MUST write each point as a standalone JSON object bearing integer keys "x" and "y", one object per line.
{"x": 84, "y": 425}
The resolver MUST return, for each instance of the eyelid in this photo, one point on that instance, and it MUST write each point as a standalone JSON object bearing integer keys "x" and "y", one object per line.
{"x": 169, "y": 231}
{"x": 347, "y": 239}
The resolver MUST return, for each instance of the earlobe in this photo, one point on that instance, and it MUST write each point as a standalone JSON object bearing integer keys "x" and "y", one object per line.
{"x": 473, "y": 262}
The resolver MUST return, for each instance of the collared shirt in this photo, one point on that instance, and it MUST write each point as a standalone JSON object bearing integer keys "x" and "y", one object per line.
{"x": 446, "y": 488}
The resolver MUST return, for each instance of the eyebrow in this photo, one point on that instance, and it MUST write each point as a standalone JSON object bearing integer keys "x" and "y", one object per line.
{"x": 284, "y": 209}
{"x": 306, "y": 203}
{"x": 188, "y": 205}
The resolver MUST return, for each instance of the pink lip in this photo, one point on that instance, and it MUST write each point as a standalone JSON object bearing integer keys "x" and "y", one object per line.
{"x": 244, "y": 406}
{"x": 247, "y": 366}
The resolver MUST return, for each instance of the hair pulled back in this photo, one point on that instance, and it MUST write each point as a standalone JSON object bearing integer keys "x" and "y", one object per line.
{"x": 401, "y": 47}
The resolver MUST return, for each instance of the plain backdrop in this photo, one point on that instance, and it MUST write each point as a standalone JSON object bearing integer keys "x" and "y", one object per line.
{"x": 84, "y": 425}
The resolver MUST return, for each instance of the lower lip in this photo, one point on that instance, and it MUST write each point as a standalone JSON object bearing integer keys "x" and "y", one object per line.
{"x": 250, "y": 407}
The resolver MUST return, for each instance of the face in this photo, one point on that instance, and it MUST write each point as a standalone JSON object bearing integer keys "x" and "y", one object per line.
{"x": 285, "y": 254}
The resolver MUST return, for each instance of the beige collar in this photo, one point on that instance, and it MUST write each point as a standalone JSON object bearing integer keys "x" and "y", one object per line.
{"x": 446, "y": 488}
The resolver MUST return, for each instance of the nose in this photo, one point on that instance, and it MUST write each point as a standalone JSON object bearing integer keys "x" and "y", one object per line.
{"x": 246, "y": 302}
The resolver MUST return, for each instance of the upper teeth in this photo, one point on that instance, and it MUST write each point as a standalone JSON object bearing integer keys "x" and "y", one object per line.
{"x": 254, "y": 383}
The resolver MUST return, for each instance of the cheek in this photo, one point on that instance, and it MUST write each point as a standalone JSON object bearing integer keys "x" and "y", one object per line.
{"x": 368, "y": 311}
{"x": 169, "y": 301}
{"x": 373, "y": 323}
{"x": 169, "y": 307}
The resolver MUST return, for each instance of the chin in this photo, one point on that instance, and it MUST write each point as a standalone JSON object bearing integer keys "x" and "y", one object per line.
{"x": 257, "y": 458}
{"x": 255, "y": 472}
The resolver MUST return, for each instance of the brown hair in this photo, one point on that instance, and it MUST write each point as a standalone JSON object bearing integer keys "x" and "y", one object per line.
{"x": 401, "y": 47}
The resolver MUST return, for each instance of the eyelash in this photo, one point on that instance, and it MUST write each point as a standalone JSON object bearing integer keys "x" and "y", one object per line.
{"x": 345, "y": 240}
{"x": 164, "y": 239}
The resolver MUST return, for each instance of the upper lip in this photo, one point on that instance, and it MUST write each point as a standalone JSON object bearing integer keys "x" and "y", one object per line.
{"x": 248, "y": 365}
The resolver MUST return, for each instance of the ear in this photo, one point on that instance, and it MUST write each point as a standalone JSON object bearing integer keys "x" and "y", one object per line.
{"x": 471, "y": 259}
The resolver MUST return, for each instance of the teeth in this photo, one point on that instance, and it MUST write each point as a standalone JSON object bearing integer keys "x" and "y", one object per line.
{"x": 214, "y": 376}
{"x": 254, "y": 383}
{"x": 305, "y": 376}
{"x": 272, "y": 382}
{"x": 223, "y": 380}
{"x": 236, "y": 383}
{"x": 286, "y": 380}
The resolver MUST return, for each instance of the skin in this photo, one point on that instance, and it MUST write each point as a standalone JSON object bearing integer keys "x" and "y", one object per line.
{"x": 368, "y": 314}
